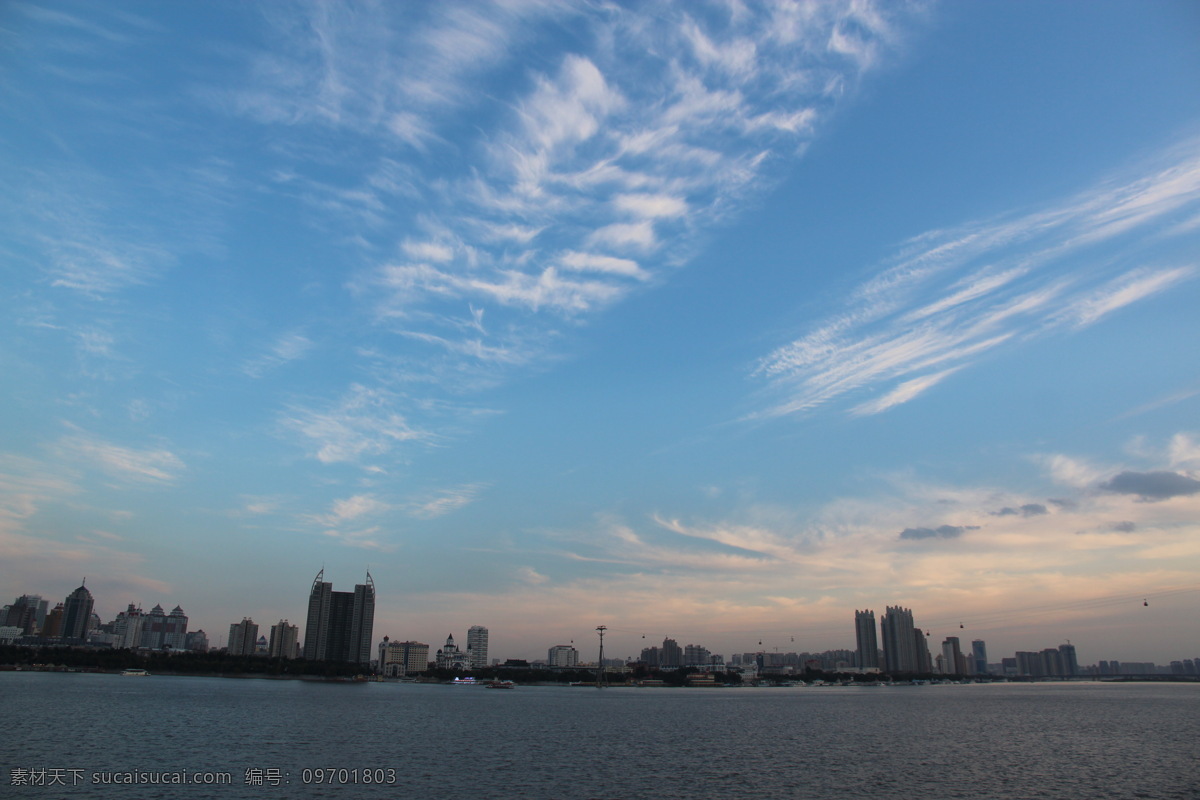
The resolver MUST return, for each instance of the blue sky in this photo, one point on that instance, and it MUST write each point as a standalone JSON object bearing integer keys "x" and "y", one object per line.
{"x": 707, "y": 320}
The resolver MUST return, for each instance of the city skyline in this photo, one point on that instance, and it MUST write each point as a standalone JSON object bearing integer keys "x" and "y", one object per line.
{"x": 904, "y": 631}
{"x": 710, "y": 321}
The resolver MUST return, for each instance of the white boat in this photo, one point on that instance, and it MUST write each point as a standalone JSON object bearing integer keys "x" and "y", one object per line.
{"x": 135, "y": 673}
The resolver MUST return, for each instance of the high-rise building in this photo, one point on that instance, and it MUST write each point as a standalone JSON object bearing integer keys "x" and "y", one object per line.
{"x": 900, "y": 651}
{"x": 1070, "y": 664}
{"x": 951, "y": 655}
{"x": 477, "y": 646}
{"x": 671, "y": 654}
{"x": 1052, "y": 662}
{"x": 867, "y": 654}
{"x": 175, "y": 635}
{"x": 979, "y": 662}
{"x": 283, "y": 640}
{"x": 28, "y": 613}
{"x": 153, "y": 627}
{"x": 53, "y": 627}
{"x": 77, "y": 615}
{"x": 339, "y": 624}
{"x": 562, "y": 655}
{"x": 127, "y": 628}
{"x": 243, "y": 638}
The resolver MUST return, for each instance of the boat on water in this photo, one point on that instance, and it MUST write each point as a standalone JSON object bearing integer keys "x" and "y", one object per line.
{"x": 499, "y": 684}
{"x": 464, "y": 682}
{"x": 134, "y": 673}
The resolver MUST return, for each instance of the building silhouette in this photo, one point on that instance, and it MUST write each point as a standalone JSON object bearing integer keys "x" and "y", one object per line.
{"x": 979, "y": 661}
{"x": 283, "y": 640}
{"x": 127, "y": 628}
{"x": 867, "y": 654}
{"x": 449, "y": 656}
{"x": 339, "y": 624}
{"x": 243, "y": 638}
{"x": 28, "y": 612}
{"x": 562, "y": 655}
{"x": 477, "y": 646}
{"x": 1068, "y": 660}
{"x": 77, "y": 615}
{"x": 53, "y": 627}
{"x": 161, "y": 630}
{"x": 196, "y": 641}
{"x": 904, "y": 648}
{"x": 953, "y": 662}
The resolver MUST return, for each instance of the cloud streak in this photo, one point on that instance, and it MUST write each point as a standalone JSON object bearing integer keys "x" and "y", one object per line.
{"x": 601, "y": 171}
{"x": 952, "y": 296}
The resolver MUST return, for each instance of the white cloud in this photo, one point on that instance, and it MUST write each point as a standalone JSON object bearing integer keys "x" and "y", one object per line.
{"x": 628, "y": 146}
{"x": 290, "y": 346}
{"x": 444, "y": 502}
{"x": 650, "y": 206}
{"x": 428, "y": 251}
{"x": 902, "y": 394}
{"x": 1184, "y": 451}
{"x": 636, "y": 235}
{"x": 949, "y": 296}
{"x": 153, "y": 466}
{"x": 352, "y": 508}
{"x": 1072, "y": 472}
{"x": 1127, "y": 289}
{"x": 365, "y": 422}
{"x": 592, "y": 262}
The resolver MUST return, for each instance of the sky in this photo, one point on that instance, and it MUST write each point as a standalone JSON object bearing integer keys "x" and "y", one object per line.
{"x": 708, "y": 320}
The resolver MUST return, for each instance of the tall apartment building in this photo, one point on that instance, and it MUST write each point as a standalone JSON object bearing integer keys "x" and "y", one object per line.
{"x": 243, "y": 638}
{"x": 28, "y": 612}
{"x": 77, "y": 615}
{"x": 477, "y": 646}
{"x": 671, "y": 654}
{"x": 161, "y": 630}
{"x": 952, "y": 657}
{"x": 339, "y": 624}
{"x": 127, "y": 628}
{"x": 283, "y": 640}
{"x": 695, "y": 655}
{"x": 1070, "y": 663}
{"x": 867, "y": 654}
{"x": 899, "y": 642}
{"x": 979, "y": 662}
{"x": 53, "y": 627}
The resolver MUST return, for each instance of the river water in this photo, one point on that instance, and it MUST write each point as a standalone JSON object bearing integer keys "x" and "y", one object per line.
{"x": 1076, "y": 741}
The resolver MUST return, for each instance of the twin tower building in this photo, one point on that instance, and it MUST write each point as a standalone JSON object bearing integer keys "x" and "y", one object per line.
{"x": 339, "y": 624}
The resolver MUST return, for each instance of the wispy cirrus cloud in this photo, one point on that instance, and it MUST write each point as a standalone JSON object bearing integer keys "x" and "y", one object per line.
{"x": 594, "y": 172}
{"x": 951, "y": 296}
{"x": 363, "y": 423}
{"x": 154, "y": 465}
{"x": 444, "y": 501}
{"x": 354, "y": 522}
{"x": 287, "y": 347}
